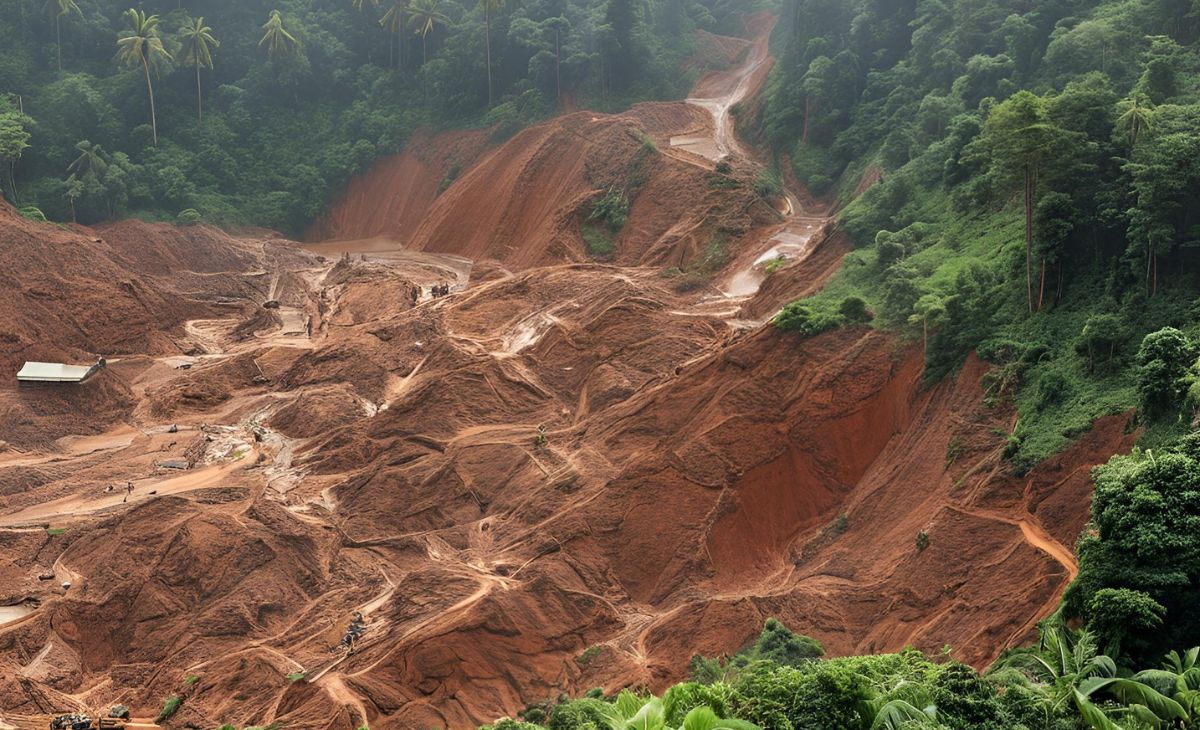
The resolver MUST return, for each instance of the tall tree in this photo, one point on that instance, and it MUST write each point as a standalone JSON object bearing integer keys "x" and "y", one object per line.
{"x": 60, "y": 8}
{"x": 424, "y": 16}
{"x": 395, "y": 20}
{"x": 196, "y": 49}
{"x": 1016, "y": 141}
{"x": 489, "y": 7}
{"x": 276, "y": 38}
{"x": 142, "y": 46}
{"x": 14, "y": 140}
{"x": 361, "y": 6}
{"x": 559, "y": 26}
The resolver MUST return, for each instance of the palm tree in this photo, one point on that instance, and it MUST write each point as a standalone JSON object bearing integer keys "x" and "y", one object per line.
{"x": 91, "y": 160}
{"x": 277, "y": 39}
{"x": 1136, "y": 118}
{"x": 424, "y": 15}
{"x": 1067, "y": 670}
{"x": 72, "y": 192}
{"x": 360, "y": 5}
{"x": 61, "y": 8}
{"x": 197, "y": 44}
{"x": 143, "y": 47}
{"x": 394, "y": 20}
{"x": 489, "y": 7}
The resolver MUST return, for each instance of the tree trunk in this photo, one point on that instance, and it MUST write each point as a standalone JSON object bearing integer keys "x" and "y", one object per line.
{"x": 1154, "y": 289}
{"x": 199, "y": 95}
{"x": 1042, "y": 286}
{"x": 807, "y": 113}
{"x": 1029, "y": 235}
{"x": 150, "y": 91}
{"x": 58, "y": 40}
{"x": 487, "y": 35}
{"x": 73, "y": 211}
{"x": 1149, "y": 258}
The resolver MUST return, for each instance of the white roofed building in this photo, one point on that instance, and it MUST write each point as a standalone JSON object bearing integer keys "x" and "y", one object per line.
{"x": 56, "y": 372}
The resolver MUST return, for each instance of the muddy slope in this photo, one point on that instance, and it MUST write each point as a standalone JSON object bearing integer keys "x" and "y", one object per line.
{"x": 557, "y": 455}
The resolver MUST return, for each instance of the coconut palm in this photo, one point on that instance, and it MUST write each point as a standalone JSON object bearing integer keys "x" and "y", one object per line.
{"x": 489, "y": 7}
{"x": 142, "y": 46}
{"x": 60, "y": 8}
{"x": 424, "y": 15}
{"x": 91, "y": 160}
{"x": 196, "y": 50}
{"x": 1067, "y": 670}
{"x": 276, "y": 38}
{"x": 395, "y": 20}
{"x": 1136, "y": 119}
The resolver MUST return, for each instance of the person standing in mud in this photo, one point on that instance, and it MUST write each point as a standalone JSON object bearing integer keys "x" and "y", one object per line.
{"x": 128, "y": 491}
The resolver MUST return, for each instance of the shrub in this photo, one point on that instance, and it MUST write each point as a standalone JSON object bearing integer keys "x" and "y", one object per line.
{"x": 170, "y": 707}
{"x": 188, "y": 217}
{"x": 597, "y": 241}
{"x": 775, "y": 264}
{"x": 578, "y": 714}
{"x": 588, "y": 655}
{"x": 922, "y": 541}
{"x": 805, "y": 319}
{"x": 611, "y": 208}
{"x": 33, "y": 213}
{"x": 768, "y": 183}
{"x": 854, "y": 309}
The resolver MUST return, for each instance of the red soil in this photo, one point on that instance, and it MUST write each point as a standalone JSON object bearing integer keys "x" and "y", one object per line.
{"x": 573, "y": 455}
{"x": 393, "y": 197}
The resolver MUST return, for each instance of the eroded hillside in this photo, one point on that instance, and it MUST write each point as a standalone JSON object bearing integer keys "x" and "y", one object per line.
{"x": 558, "y": 459}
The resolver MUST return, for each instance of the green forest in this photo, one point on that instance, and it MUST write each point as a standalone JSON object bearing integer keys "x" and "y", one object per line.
{"x": 255, "y": 112}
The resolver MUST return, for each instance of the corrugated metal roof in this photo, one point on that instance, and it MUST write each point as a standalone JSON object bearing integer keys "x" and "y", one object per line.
{"x": 53, "y": 372}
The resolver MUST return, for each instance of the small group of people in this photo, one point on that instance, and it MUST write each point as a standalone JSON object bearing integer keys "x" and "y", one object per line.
{"x": 128, "y": 491}
{"x": 439, "y": 290}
